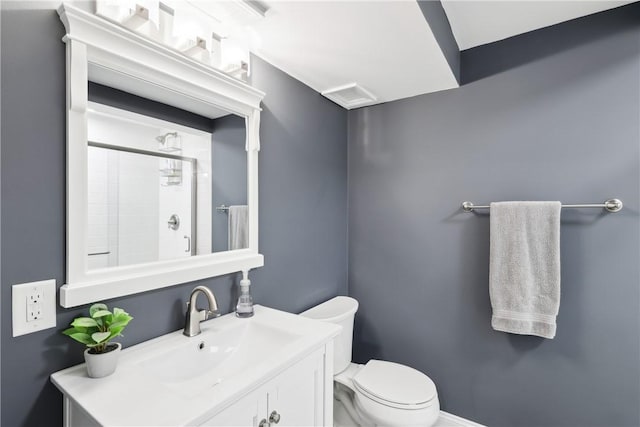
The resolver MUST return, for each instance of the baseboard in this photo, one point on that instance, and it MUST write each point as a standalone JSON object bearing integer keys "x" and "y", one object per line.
{"x": 449, "y": 420}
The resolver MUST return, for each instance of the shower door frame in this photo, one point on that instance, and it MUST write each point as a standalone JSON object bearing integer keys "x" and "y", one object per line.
{"x": 194, "y": 180}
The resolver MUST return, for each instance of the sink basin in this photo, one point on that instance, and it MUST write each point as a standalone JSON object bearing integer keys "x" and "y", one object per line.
{"x": 217, "y": 352}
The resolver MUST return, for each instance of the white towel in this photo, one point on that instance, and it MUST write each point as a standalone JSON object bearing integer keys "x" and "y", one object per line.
{"x": 238, "y": 234}
{"x": 524, "y": 267}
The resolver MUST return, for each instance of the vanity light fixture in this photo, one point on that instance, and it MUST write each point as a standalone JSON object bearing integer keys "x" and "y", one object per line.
{"x": 253, "y": 7}
{"x": 199, "y": 30}
{"x": 143, "y": 18}
{"x": 199, "y": 51}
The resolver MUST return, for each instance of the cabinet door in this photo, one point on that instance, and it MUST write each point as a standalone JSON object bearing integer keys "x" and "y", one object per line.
{"x": 246, "y": 412}
{"x": 74, "y": 415}
{"x": 296, "y": 398}
{"x": 297, "y": 395}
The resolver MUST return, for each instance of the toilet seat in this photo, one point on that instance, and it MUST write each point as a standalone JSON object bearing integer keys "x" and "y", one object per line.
{"x": 394, "y": 385}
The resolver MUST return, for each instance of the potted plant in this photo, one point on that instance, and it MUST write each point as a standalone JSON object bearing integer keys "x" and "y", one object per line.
{"x": 96, "y": 332}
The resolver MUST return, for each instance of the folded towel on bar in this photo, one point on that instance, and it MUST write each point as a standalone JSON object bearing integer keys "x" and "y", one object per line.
{"x": 238, "y": 227}
{"x": 524, "y": 267}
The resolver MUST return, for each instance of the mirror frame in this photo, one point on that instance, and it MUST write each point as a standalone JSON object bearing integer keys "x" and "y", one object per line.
{"x": 106, "y": 53}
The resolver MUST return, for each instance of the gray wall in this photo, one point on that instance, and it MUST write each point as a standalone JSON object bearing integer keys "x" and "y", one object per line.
{"x": 302, "y": 204}
{"x": 561, "y": 122}
{"x": 229, "y": 174}
{"x": 303, "y": 192}
{"x": 126, "y": 101}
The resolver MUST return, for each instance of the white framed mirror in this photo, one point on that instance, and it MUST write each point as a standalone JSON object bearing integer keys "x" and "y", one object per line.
{"x": 147, "y": 197}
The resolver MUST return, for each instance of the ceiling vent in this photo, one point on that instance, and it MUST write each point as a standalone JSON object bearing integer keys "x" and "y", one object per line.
{"x": 350, "y": 96}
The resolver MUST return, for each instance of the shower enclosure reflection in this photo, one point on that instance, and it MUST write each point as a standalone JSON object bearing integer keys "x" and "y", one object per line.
{"x": 150, "y": 187}
{"x": 127, "y": 206}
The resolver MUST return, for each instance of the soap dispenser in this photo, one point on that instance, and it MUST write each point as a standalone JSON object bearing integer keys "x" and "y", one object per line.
{"x": 244, "y": 308}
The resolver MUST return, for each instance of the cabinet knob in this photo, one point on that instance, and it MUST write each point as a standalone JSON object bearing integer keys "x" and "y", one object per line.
{"x": 274, "y": 417}
{"x": 263, "y": 423}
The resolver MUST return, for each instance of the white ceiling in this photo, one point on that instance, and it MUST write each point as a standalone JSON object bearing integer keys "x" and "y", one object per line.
{"x": 477, "y": 22}
{"x": 386, "y": 47}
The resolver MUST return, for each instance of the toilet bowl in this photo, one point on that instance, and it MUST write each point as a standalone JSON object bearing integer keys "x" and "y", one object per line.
{"x": 378, "y": 393}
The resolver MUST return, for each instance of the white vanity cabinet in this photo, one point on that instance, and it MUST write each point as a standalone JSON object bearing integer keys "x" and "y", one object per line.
{"x": 292, "y": 399}
{"x": 271, "y": 370}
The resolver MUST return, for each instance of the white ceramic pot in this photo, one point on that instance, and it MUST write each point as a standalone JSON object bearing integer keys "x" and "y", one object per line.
{"x": 102, "y": 364}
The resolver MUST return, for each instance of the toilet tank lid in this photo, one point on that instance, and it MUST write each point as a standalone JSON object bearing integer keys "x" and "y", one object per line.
{"x": 333, "y": 310}
{"x": 394, "y": 383}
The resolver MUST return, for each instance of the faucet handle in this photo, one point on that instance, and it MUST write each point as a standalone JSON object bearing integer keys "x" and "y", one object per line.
{"x": 204, "y": 314}
{"x": 210, "y": 314}
{"x": 207, "y": 314}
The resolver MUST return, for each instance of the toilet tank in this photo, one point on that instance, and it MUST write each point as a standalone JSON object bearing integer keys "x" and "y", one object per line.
{"x": 340, "y": 310}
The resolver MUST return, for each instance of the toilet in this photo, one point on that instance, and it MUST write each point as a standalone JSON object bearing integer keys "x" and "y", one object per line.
{"x": 378, "y": 393}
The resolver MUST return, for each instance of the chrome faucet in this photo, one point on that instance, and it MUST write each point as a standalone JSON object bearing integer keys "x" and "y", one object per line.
{"x": 195, "y": 316}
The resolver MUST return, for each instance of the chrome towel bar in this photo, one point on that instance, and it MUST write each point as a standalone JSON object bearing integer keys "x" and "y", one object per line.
{"x": 611, "y": 205}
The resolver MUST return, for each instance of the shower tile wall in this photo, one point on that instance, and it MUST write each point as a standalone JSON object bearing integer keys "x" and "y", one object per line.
{"x": 138, "y": 200}
{"x": 98, "y": 215}
{"x": 123, "y": 209}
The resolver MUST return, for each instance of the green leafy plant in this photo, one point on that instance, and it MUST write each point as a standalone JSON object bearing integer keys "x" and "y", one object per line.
{"x": 97, "y": 330}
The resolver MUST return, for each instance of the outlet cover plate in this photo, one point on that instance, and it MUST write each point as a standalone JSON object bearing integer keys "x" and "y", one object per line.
{"x": 20, "y": 295}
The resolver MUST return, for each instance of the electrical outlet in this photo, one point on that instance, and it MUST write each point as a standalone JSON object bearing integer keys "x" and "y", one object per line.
{"x": 35, "y": 296}
{"x": 34, "y": 306}
{"x": 34, "y": 312}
